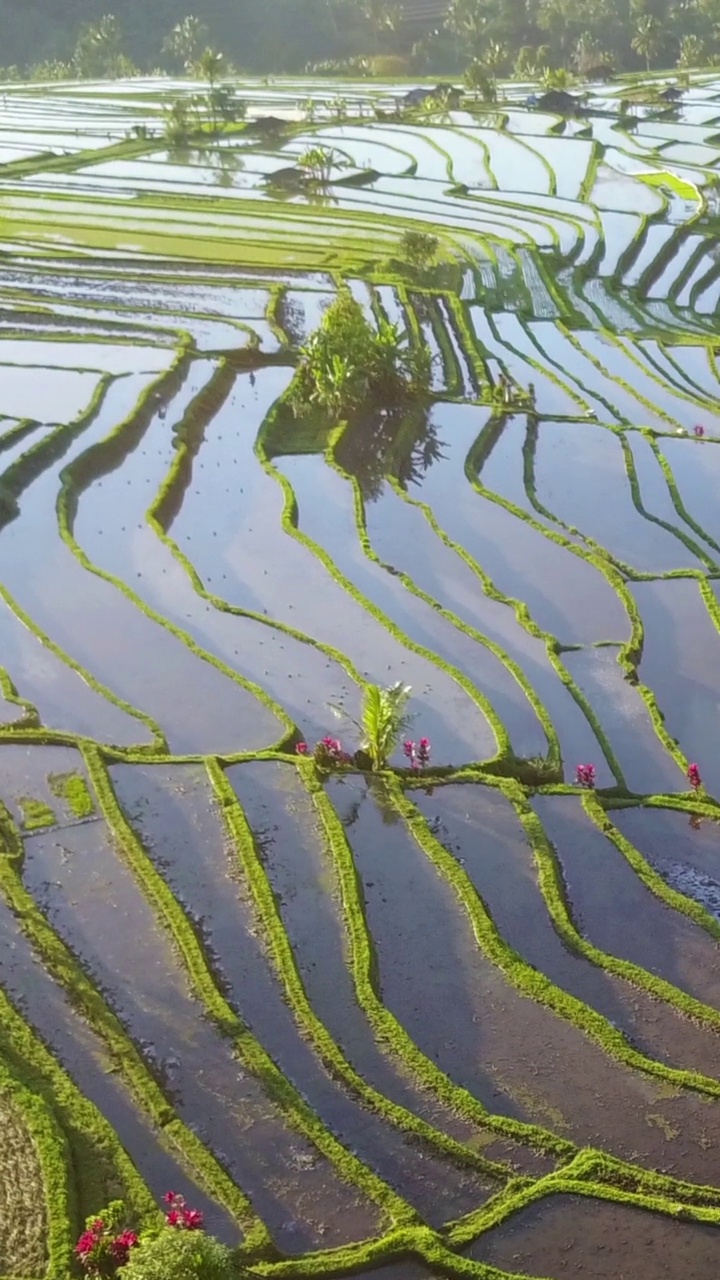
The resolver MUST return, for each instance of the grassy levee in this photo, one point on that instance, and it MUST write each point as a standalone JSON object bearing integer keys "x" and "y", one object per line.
{"x": 554, "y": 757}
{"x": 255, "y": 1058}
{"x": 504, "y": 748}
{"x": 527, "y": 622}
{"x": 599, "y": 809}
{"x": 149, "y": 1097}
{"x": 18, "y": 477}
{"x": 536, "y": 985}
{"x": 48, "y": 1203}
{"x": 685, "y": 538}
{"x": 554, "y": 892}
{"x": 284, "y": 959}
{"x": 84, "y": 1163}
{"x": 390, "y": 1034}
{"x": 290, "y": 525}
{"x": 631, "y": 651}
{"x": 168, "y": 502}
{"x": 82, "y": 473}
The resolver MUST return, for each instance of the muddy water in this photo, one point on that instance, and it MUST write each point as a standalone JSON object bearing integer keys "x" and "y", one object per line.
{"x": 680, "y": 664}
{"x": 62, "y": 698}
{"x": 172, "y": 810}
{"x": 403, "y": 538}
{"x": 244, "y": 556}
{"x": 112, "y": 528}
{"x": 480, "y": 828}
{"x": 576, "y": 466}
{"x": 47, "y": 1008}
{"x": 517, "y": 1056}
{"x": 303, "y": 875}
{"x": 685, "y": 852}
{"x": 89, "y": 618}
{"x": 455, "y": 724}
{"x": 615, "y": 910}
{"x": 624, "y": 717}
{"x": 566, "y": 595}
{"x": 90, "y": 897}
{"x": 26, "y": 772}
{"x": 577, "y": 1236}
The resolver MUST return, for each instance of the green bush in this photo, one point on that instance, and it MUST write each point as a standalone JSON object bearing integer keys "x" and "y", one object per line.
{"x": 419, "y": 249}
{"x": 180, "y": 1255}
{"x": 347, "y": 363}
{"x": 389, "y": 65}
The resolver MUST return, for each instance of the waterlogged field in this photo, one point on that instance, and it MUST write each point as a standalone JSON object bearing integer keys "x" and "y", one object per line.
{"x": 465, "y": 1023}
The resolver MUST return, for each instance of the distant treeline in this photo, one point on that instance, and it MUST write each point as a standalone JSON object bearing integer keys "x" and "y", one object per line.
{"x": 106, "y": 37}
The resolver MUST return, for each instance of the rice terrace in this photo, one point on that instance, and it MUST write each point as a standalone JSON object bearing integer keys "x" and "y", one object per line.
{"x": 360, "y": 666}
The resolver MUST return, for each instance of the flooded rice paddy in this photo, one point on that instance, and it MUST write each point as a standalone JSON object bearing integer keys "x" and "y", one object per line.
{"x": 464, "y": 1023}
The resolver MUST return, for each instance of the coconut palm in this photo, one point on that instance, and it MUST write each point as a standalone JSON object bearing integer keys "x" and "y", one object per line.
{"x": 185, "y": 40}
{"x": 648, "y": 38}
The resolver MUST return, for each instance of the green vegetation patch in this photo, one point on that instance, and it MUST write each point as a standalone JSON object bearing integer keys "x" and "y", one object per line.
{"x": 73, "y": 789}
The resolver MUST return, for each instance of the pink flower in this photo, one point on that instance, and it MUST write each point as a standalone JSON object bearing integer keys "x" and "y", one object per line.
{"x": 302, "y": 750}
{"x": 699, "y": 431}
{"x": 424, "y": 752}
{"x": 170, "y": 1197}
{"x": 694, "y": 778}
{"x": 585, "y": 776}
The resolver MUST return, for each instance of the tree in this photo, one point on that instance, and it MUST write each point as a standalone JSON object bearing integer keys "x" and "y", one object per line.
{"x": 382, "y": 15}
{"x": 692, "y": 52}
{"x": 648, "y": 38}
{"x": 185, "y": 41}
{"x": 209, "y": 66}
{"x": 98, "y": 52}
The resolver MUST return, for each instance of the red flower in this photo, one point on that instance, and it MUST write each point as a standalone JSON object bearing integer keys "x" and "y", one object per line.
{"x": 86, "y": 1243}
{"x": 302, "y": 750}
{"x": 192, "y": 1219}
{"x": 170, "y": 1197}
{"x": 121, "y": 1246}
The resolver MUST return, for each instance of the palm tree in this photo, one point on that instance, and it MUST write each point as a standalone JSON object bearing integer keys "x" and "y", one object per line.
{"x": 185, "y": 40}
{"x": 692, "y": 52}
{"x": 648, "y": 38}
{"x": 383, "y": 15}
{"x": 209, "y": 66}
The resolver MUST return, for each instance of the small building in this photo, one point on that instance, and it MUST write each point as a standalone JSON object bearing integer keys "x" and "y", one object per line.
{"x": 423, "y": 16}
{"x": 446, "y": 92}
{"x": 558, "y": 102}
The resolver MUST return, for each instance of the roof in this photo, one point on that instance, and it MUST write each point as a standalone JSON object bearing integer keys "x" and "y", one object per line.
{"x": 424, "y": 13}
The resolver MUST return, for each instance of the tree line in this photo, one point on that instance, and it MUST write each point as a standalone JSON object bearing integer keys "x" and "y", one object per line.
{"x": 46, "y": 38}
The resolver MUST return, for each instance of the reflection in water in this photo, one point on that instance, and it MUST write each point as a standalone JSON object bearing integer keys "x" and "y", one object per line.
{"x": 397, "y": 443}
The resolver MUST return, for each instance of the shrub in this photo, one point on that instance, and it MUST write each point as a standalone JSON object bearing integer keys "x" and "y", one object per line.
{"x": 319, "y": 162}
{"x": 389, "y": 65}
{"x": 347, "y": 363}
{"x": 180, "y": 1255}
{"x": 419, "y": 249}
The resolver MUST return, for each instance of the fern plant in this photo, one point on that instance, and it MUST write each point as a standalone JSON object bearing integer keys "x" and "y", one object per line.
{"x": 384, "y": 721}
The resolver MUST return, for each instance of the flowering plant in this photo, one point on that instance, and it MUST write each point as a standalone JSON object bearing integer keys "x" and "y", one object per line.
{"x": 418, "y": 755}
{"x": 585, "y": 776}
{"x": 694, "y": 778}
{"x": 105, "y": 1244}
{"x": 178, "y": 1215}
